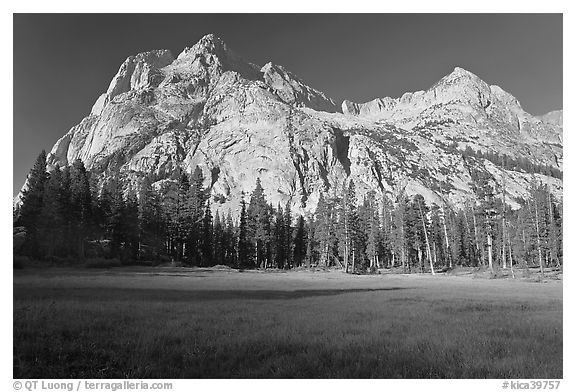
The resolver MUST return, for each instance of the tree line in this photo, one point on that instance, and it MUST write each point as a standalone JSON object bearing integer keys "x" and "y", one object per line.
{"x": 68, "y": 216}
{"x": 509, "y": 163}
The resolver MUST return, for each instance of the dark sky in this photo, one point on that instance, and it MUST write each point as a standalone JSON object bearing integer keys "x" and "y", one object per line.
{"x": 62, "y": 63}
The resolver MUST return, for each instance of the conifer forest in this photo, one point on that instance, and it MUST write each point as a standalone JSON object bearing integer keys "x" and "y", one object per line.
{"x": 68, "y": 218}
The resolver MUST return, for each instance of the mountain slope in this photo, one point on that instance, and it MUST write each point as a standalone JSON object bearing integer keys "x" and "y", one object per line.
{"x": 237, "y": 121}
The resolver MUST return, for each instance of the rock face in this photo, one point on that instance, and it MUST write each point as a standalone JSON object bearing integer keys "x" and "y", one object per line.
{"x": 553, "y": 117}
{"x": 237, "y": 122}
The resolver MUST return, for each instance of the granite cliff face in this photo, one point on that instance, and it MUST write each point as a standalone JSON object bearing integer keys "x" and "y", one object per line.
{"x": 237, "y": 121}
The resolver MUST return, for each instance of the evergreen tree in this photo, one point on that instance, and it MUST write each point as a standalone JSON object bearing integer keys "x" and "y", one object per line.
{"x": 385, "y": 240}
{"x": 230, "y": 241}
{"x": 259, "y": 226}
{"x": 65, "y": 212}
{"x": 288, "y": 233}
{"x": 415, "y": 237}
{"x": 115, "y": 226}
{"x": 243, "y": 259}
{"x": 487, "y": 214}
{"x": 150, "y": 218}
{"x": 31, "y": 206}
{"x": 80, "y": 206}
{"x": 371, "y": 227}
{"x": 325, "y": 231}
{"x": 207, "y": 236}
{"x": 350, "y": 245}
{"x": 219, "y": 240}
{"x": 399, "y": 230}
{"x": 176, "y": 207}
{"x": 311, "y": 244}
{"x": 50, "y": 220}
{"x": 279, "y": 238}
{"x": 300, "y": 242}
{"x": 130, "y": 226}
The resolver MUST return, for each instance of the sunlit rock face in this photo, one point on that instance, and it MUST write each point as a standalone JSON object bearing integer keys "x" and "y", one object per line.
{"x": 238, "y": 121}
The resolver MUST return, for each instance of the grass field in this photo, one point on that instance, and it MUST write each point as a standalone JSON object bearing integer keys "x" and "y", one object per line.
{"x": 185, "y": 323}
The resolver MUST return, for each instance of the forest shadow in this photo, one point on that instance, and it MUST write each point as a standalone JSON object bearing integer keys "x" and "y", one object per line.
{"x": 171, "y": 295}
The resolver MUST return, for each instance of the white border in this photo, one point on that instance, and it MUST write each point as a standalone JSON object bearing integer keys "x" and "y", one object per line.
{"x": 357, "y": 6}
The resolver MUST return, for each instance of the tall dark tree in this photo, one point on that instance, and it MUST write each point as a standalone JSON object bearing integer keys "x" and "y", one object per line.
{"x": 279, "y": 238}
{"x": 50, "y": 221}
{"x": 230, "y": 241}
{"x": 259, "y": 225}
{"x": 207, "y": 236}
{"x": 219, "y": 248}
{"x": 385, "y": 242}
{"x": 350, "y": 245}
{"x": 325, "y": 231}
{"x": 116, "y": 225}
{"x": 176, "y": 207}
{"x": 151, "y": 220}
{"x": 80, "y": 206}
{"x": 371, "y": 227}
{"x": 399, "y": 230}
{"x": 131, "y": 226}
{"x": 288, "y": 234}
{"x": 243, "y": 259}
{"x": 299, "y": 253}
{"x": 31, "y": 205}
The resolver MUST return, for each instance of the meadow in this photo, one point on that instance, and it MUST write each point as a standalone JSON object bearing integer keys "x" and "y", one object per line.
{"x": 164, "y": 322}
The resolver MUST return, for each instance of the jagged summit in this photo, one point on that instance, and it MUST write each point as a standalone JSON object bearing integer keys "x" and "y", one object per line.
{"x": 461, "y": 72}
{"x": 209, "y": 43}
{"x": 461, "y": 77}
{"x": 135, "y": 73}
{"x": 209, "y": 58}
{"x": 460, "y": 95}
{"x": 238, "y": 122}
{"x": 293, "y": 90}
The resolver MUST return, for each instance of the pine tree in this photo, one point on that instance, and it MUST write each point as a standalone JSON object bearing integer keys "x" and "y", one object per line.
{"x": 349, "y": 229}
{"x": 66, "y": 213}
{"x": 300, "y": 242}
{"x": 325, "y": 233}
{"x": 219, "y": 240}
{"x": 207, "y": 236}
{"x": 259, "y": 226}
{"x": 50, "y": 220}
{"x": 520, "y": 235}
{"x": 115, "y": 225}
{"x": 243, "y": 259}
{"x": 538, "y": 206}
{"x": 371, "y": 228}
{"x": 150, "y": 217}
{"x": 177, "y": 208}
{"x": 288, "y": 233}
{"x": 279, "y": 238}
{"x": 31, "y": 206}
{"x": 423, "y": 210}
{"x": 385, "y": 241}
{"x": 487, "y": 215}
{"x": 311, "y": 244}
{"x": 131, "y": 228}
{"x": 80, "y": 206}
{"x": 399, "y": 230}
{"x": 230, "y": 241}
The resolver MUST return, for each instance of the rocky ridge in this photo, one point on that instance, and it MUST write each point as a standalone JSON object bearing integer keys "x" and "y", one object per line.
{"x": 237, "y": 121}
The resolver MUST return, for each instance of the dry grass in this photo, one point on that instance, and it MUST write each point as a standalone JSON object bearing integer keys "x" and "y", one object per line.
{"x": 183, "y": 323}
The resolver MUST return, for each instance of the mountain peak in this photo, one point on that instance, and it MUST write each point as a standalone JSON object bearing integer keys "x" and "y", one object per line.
{"x": 462, "y": 72}
{"x": 460, "y": 75}
{"x": 210, "y": 52}
{"x": 209, "y": 43}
